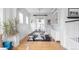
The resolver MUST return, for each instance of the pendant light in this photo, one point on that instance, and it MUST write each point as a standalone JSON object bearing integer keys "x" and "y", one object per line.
{"x": 39, "y": 16}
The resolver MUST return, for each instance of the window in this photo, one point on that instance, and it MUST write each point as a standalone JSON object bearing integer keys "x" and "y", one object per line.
{"x": 40, "y": 24}
{"x": 20, "y": 18}
{"x": 26, "y": 20}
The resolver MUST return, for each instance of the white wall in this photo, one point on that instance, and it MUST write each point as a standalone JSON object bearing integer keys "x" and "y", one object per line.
{"x": 69, "y": 31}
{"x": 63, "y": 15}
{"x": 24, "y": 28}
{"x": 9, "y": 13}
{"x": 54, "y": 28}
{"x": 1, "y": 20}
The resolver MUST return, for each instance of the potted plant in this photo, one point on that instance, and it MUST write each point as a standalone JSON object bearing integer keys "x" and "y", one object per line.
{"x": 10, "y": 30}
{"x": 10, "y": 27}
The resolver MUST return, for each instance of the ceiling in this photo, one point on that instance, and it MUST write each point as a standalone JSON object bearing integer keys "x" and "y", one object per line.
{"x": 41, "y": 11}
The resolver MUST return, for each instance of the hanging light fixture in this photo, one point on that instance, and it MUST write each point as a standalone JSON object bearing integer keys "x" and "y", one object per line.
{"x": 40, "y": 13}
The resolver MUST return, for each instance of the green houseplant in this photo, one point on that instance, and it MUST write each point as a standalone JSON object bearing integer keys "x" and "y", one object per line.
{"x": 9, "y": 32}
{"x": 10, "y": 26}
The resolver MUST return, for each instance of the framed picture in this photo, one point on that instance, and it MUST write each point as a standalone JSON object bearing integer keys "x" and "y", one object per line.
{"x": 49, "y": 22}
{"x": 73, "y": 12}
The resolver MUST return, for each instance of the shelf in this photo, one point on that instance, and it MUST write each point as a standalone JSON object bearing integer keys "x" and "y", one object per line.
{"x": 71, "y": 21}
{"x": 73, "y": 17}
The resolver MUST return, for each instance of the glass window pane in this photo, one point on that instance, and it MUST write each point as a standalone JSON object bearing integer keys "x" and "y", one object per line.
{"x": 21, "y": 18}
{"x": 26, "y": 20}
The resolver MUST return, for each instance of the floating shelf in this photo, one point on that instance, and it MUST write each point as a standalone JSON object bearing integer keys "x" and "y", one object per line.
{"x": 71, "y": 21}
{"x": 73, "y": 17}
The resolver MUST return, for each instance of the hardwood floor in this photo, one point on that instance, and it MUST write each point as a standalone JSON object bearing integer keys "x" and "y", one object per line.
{"x": 38, "y": 45}
{"x": 0, "y": 40}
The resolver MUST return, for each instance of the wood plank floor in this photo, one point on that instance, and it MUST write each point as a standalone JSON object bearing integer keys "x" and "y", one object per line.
{"x": 38, "y": 45}
{"x": 0, "y": 40}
